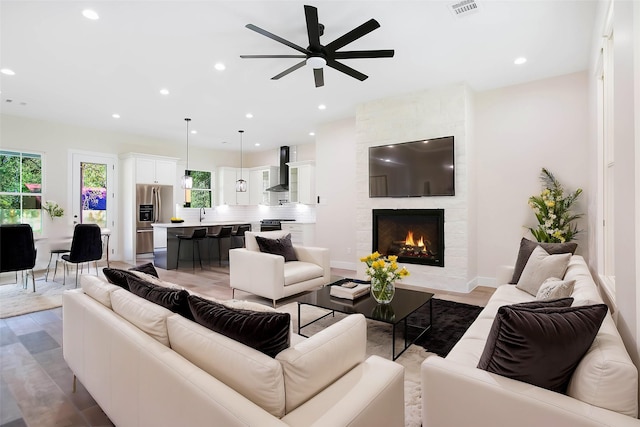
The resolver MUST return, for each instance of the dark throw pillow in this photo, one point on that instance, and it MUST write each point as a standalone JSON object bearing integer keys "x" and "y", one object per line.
{"x": 267, "y": 332}
{"x": 146, "y": 268}
{"x": 172, "y": 299}
{"x": 118, "y": 277}
{"x": 559, "y": 302}
{"x": 527, "y": 246}
{"x": 541, "y": 346}
{"x": 281, "y": 246}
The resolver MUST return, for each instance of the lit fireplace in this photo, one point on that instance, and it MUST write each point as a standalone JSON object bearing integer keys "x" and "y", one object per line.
{"x": 416, "y": 236}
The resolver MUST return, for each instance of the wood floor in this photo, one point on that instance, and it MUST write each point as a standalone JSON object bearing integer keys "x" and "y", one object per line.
{"x": 35, "y": 381}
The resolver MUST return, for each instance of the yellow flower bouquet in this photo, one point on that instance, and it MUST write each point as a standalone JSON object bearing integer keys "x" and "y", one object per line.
{"x": 383, "y": 273}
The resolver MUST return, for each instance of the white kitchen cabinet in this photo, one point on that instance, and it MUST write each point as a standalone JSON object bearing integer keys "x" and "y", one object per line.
{"x": 153, "y": 170}
{"x": 227, "y": 194}
{"x": 303, "y": 234}
{"x": 260, "y": 179}
{"x": 302, "y": 185}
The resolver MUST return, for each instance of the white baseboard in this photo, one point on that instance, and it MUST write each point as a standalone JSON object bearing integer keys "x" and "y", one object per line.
{"x": 486, "y": 281}
{"x": 344, "y": 265}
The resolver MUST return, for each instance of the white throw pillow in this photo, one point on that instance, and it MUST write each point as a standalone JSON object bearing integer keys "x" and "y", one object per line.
{"x": 540, "y": 267}
{"x": 554, "y": 288}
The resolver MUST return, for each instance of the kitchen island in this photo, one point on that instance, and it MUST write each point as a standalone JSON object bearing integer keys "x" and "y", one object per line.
{"x": 165, "y": 242}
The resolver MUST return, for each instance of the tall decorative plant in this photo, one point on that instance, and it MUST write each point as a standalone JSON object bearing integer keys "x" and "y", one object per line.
{"x": 553, "y": 211}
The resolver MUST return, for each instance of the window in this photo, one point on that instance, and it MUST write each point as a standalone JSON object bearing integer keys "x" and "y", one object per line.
{"x": 201, "y": 191}
{"x": 606, "y": 168}
{"x": 21, "y": 189}
{"x": 94, "y": 193}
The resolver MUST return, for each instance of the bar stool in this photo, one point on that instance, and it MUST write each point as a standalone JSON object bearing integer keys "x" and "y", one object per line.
{"x": 237, "y": 237}
{"x": 57, "y": 253}
{"x": 224, "y": 233}
{"x": 196, "y": 236}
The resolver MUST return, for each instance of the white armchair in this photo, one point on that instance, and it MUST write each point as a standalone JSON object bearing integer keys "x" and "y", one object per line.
{"x": 269, "y": 276}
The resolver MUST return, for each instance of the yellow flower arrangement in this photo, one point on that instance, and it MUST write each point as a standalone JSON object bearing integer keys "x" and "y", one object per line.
{"x": 383, "y": 273}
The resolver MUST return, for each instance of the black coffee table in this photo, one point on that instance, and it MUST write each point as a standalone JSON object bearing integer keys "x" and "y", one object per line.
{"x": 405, "y": 303}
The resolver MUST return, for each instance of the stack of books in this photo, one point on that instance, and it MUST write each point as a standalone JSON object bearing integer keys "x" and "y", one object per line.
{"x": 351, "y": 293}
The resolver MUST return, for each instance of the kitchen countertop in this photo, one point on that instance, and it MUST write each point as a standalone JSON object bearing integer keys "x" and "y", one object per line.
{"x": 196, "y": 224}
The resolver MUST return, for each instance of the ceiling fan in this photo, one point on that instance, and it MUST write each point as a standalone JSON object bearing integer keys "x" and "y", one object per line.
{"x": 317, "y": 56}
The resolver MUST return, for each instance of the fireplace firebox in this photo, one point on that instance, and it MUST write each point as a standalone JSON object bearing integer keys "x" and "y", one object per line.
{"x": 416, "y": 236}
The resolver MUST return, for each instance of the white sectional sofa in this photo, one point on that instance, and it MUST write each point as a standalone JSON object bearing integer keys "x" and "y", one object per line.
{"x": 147, "y": 366}
{"x": 602, "y": 390}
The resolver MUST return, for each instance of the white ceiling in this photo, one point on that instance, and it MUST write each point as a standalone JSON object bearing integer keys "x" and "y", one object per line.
{"x": 74, "y": 70}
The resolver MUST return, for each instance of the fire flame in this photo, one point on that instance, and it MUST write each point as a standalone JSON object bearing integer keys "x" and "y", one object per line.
{"x": 408, "y": 241}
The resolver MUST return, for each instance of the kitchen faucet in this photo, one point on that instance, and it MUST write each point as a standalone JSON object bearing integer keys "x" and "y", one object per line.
{"x": 202, "y": 213}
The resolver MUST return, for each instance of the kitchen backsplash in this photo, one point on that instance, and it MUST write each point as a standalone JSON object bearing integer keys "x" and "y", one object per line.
{"x": 249, "y": 214}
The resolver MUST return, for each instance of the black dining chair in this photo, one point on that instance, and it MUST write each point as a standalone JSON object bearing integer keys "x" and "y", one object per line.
{"x": 223, "y": 234}
{"x": 196, "y": 236}
{"x": 237, "y": 237}
{"x": 86, "y": 246}
{"x": 18, "y": 250}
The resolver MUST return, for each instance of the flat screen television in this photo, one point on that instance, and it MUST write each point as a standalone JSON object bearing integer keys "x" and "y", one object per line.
{"x": 413, "y": 169}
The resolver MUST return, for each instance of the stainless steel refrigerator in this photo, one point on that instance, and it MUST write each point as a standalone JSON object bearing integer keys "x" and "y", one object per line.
{"x": 153, "y": 204}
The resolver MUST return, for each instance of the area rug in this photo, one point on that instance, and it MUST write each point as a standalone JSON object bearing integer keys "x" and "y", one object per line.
{"x": 14, "y": 300}
{"x": 450, "y": 321}
{"x": 446, "y": 323}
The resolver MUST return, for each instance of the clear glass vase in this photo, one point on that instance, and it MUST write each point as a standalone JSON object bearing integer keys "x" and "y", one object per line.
{"x": 382, "y": 291}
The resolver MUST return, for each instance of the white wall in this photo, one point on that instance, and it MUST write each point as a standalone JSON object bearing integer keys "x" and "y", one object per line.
{"x": 336, "y": 187}
{"x": 519, "y": 130}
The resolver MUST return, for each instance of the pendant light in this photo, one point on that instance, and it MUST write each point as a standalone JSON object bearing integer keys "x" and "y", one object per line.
{"x": 241, "y": 184}
{"x": 187, "y": 179}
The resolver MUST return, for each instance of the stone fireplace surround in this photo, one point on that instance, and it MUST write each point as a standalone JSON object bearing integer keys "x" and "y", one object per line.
{"x": 422, "y": 115}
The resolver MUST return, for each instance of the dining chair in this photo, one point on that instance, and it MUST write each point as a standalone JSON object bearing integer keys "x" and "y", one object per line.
{"x": 86, "y": 246}
{"x": 18, "y": 250}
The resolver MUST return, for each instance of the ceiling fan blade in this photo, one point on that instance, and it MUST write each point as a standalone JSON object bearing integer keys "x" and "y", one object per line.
{"x": 313, "y": 29}
{"x": 346, "y": 69}
{"x": 318, "y": 75}
{"x": 352, "y": 35}
{"x": 277, "y": 38}
{"x": 363, "y": 54}
{"x": 289, "y": 70}
{"x": 272, "y": 56}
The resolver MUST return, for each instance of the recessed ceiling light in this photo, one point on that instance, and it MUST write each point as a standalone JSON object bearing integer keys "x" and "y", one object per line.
{"x": 193, "y": 131}
{"x": 257, "y": 144}
{"x": 220, "y": 66}
{"x": 520, "y": 61}
{"x": 90, "y": 14}
{"x": 322, "y": 107}
{"x": 7, "y": 71}
{"x": 249, "y": 116}
{"x": 115, "y": 115}
{"x": 312, "y": 134}
{"x": 164, "y": 91}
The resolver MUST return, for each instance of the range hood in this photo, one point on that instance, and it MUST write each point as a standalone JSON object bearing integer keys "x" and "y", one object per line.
{"x": 283, "y": 185}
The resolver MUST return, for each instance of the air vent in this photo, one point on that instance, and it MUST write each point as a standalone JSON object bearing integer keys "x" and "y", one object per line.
{"x": 463, "y": 8}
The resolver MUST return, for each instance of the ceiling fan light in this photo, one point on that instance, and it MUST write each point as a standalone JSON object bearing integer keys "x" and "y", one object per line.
{"x": 316, "y": 62}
